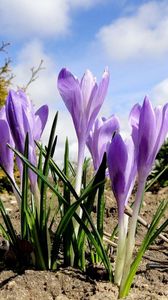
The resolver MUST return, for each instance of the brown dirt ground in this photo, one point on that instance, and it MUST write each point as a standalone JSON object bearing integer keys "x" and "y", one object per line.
{"x": 71, "y": 284}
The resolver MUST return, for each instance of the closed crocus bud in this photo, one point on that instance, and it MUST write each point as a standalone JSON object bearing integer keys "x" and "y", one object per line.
{"x": 101, "y": 134}
{"x": 6, "y": 154}
{"x": 22, "y": 120}
{"x": 122, "y": 170}
{"x": 149, "y": 130}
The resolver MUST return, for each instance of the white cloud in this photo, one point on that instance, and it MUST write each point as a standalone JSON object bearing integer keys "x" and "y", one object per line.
{"x": 142, "y": 34}
{"x": 42, "y": 18}
{"x": 44, "y": 91}
{"x": 20, "y": 18}
{"x": 159, "y": 92}
{"x": 85, "y": 3}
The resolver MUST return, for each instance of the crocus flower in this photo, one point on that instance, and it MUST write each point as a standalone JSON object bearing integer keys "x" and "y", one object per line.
{"x": 122, "y": 171}
{"x": 6, "y": 154}
{"x": 100, "y": 135}
{"x": 149, "y": 130}
{"x": 83, "y": 99}
{"x": 22, "y": 120}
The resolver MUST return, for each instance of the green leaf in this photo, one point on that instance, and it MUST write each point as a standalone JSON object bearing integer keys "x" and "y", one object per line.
{"x": 156, "y": 178}
{"x": 8, "y": 224}
{"x": 67, "y": 242}
{"x": 4, "y": 232}
{"x": 40, "y": 262}
{"x": 23, "y": 207}
{"x": 40, "y": 166}
{"x": 90, "y": 193}
{"x": 101, "y": 205}
{"x": 46, "y": 171}
{"x": 40, "y": 174}
{"x": 14, "y": 185}
{"x": 61, "y": 175}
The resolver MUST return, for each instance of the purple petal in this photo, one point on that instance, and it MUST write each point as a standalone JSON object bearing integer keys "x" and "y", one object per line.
{"x": 87, "y": 85}
{"x": 6, "y": 154}
{"x": 109, "y": 127}
{"x": 22, "y": 120}
{"x": 122, "y": 170}
{"x": 135, "y": 115}
{"x": 134, "y": 121}
{"x": 131, "y": 168}
{"x": 69, "y": 89}
{"x": 146, "y": 135}
{"x": 92, "y": 143}
{"x": 101, "y": 133}
{"x": 97, "y": 99}
{"x": 41, "y": 117}
{"x": 3, "y": 113}
{"x": 14, "y": 113}
{"x": 107, "y": 130}
{"x": 117, "y": 160}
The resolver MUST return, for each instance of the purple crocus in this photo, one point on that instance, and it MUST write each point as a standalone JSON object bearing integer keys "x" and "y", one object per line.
{"x": 83, "y": 99}
{"x": 6, "y": 154}
{"x": 22, "y": 120}
{"x": 122, "y": 171}
{"x": 149, "y": 130}
{"x": 100, "y": 135}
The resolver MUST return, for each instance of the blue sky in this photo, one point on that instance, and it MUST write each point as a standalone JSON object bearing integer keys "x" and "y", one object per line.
{"x": 130, "y": 37}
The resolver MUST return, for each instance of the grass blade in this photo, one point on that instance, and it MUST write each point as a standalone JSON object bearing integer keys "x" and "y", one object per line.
{"x": 24, "y": 204}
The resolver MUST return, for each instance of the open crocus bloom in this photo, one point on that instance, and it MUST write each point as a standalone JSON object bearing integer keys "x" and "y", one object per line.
{"x": 82, "y": 98}
{"x": 100, "y": 135}
{"x": 6, "y": 154}
{"x": 122, "y": 170}
{"x": 149, "y": 130}
{"x": 22, "y": 120}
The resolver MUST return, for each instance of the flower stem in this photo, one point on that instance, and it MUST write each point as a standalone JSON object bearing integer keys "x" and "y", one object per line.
{"x": 79, "y": 171}
{"x": 131, "y": 234}
{"x": 36, "y": 193}
{"x": 123, "y": 226}
{"x": 78, "y": 183}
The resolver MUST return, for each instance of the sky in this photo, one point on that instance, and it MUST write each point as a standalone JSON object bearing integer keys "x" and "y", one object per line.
{"x": 130, "y": 37}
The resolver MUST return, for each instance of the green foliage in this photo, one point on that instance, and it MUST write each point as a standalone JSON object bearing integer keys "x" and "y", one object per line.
{"x": 47, "y": 229}
{"x": 48, "y": 216}
{"x": 161, "y": 164}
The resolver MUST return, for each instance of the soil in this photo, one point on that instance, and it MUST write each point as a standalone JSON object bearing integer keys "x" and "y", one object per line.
{"x": 150, "y": 282}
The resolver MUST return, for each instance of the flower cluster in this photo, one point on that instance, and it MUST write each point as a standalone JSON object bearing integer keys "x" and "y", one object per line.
{"x": 124, "y": 161}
